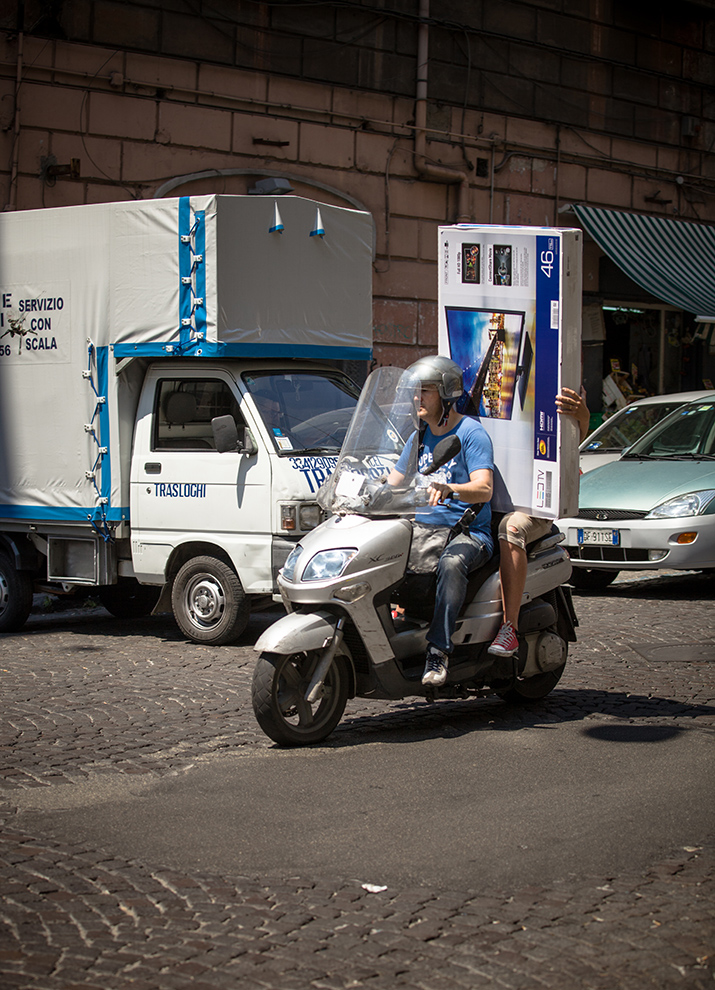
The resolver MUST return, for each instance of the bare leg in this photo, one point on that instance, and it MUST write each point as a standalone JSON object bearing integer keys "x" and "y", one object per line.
{"x": 512, "y": 571}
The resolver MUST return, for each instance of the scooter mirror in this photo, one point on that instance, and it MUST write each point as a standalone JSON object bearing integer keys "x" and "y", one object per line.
{"x": 444, "y": 451}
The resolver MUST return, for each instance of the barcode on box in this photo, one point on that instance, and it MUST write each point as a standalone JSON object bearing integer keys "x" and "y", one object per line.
{"x": 554, "y": 314}
{"x": 547, "y": 496}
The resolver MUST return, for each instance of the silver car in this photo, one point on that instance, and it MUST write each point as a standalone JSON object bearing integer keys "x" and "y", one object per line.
{"x": 629, "y": 424}
{"x": 652, "y": 508}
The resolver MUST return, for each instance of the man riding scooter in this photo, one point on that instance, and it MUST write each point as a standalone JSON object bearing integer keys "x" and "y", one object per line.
{"x": 339, "y": 638}
{"x": 465, "y": 480}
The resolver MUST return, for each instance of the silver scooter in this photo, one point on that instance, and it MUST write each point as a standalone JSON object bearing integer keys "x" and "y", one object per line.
{"x": 343, "y": 636}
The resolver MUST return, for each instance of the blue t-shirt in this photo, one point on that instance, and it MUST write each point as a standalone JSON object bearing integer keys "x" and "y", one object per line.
{"x": 476, "y": 455}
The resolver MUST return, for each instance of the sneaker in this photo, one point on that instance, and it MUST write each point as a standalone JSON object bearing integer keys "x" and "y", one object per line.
{"x": 435, "y": 667}
{"x": 506, "y": 643}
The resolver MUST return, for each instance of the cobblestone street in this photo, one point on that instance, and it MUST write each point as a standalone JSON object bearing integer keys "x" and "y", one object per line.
{"x": 87, "y": 698}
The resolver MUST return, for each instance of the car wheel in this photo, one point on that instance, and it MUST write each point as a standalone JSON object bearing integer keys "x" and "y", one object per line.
{"x": 590, "y": 579}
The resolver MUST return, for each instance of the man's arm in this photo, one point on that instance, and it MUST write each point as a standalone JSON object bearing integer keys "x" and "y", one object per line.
{"x": 478, "y": 489}
{"x": 395, "y": 479}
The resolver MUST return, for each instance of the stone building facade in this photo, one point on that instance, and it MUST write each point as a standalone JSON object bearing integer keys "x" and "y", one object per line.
{"x": 421, "y": 111}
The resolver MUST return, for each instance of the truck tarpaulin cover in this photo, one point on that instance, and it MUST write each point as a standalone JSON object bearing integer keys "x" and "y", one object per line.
{"x": 510, "y": 316}
{"x": 83, "y": 288}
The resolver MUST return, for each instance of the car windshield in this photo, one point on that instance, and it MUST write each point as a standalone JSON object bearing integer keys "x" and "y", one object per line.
{"x": 627, "y": 426}
{"x": 687, "y": 433}
{"x": 304, "y": 411}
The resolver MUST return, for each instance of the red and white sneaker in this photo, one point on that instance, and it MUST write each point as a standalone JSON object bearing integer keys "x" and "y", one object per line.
{"x": 505, "y": 643}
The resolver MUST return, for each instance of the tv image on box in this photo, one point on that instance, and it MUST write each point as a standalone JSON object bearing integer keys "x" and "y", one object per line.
{"x": 524, "y": 369}
{"x": 471, "y": 263}
{"x": 486, "y": 344}
{"x": 502, "y": 264}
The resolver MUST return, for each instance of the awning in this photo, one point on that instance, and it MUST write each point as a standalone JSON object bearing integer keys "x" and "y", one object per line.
{"x": 672, "y": 259}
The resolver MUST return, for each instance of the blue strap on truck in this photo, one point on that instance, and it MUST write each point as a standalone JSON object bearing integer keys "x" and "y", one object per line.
{"x": 192, "y": 278}
{"x": 102, "y": 463}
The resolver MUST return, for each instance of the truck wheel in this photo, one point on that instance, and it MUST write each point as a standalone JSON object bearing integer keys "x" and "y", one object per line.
{"x": 128, "y": 599}
{"x": 15, "y": 595}
{"x": 209, "y": 604}
{"x": 591, "y": 579}
{"x": 280, "y": 682}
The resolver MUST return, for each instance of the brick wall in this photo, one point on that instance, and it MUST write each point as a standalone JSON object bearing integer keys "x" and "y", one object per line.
{"x": 538, "y": 104}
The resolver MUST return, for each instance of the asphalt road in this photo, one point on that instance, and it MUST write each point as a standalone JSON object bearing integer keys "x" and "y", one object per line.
{"x": 154, "y": 837}
{"x": 475, "y": 808}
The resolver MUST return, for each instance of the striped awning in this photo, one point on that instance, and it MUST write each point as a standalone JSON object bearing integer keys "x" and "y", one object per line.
{"x": 672, "y": 259}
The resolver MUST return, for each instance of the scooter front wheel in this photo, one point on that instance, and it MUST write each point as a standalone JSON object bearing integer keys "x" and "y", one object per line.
{"x": 280, "y": 683}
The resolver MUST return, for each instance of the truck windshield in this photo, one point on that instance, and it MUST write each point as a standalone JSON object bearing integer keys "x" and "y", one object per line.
{"x": 303, "y": 411}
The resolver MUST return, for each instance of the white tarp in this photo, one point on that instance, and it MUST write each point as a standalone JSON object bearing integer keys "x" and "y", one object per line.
{"x": 84, "y": 287}
{"x": 200, "y": 274}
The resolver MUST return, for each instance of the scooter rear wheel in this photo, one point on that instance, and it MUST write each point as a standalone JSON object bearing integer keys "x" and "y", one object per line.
{"x": 533, "y": 689}
{"x": 280, "y": 683}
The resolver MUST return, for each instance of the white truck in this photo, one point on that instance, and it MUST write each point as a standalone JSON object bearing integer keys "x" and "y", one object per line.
{"x": 125, "y": 330}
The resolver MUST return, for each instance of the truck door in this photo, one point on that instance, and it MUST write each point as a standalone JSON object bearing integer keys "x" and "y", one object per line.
{"x": 184, "y": 492}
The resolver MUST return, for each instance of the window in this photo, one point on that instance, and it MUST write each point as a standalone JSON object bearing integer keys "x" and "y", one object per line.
{"x": 303, "y": 410}
{"x": 688, "y": 432}
{"x": 184, "y": 410}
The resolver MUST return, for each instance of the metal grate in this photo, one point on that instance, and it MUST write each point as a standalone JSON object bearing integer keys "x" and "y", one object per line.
{"x": 614, "y": 555}
{"x": 606, "y": 515}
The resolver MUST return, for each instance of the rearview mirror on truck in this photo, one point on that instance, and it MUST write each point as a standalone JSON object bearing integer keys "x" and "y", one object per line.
{"x": 229, "y": 437}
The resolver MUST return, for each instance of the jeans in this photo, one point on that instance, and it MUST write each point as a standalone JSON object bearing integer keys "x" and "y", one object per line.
{"x": 465, "y": 553}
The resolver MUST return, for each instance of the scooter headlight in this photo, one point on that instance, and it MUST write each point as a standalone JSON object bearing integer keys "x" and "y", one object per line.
{"x": 288, "y": 569}
{"x": 328, "y": 564}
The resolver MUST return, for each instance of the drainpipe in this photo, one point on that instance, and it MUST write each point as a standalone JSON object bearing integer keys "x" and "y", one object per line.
{"x": 433, "y": 173}
{"x": 12, "y": 192}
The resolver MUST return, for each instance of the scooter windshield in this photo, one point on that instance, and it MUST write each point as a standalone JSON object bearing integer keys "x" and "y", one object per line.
{"x": 384, "y": 422}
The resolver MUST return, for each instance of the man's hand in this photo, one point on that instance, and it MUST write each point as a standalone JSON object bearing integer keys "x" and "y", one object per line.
{"x": 479, "y": 488}
{"x": 439, "y": 492}
{"x": 570, "y": 403}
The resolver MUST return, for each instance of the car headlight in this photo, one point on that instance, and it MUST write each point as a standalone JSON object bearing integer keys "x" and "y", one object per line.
{"x": 328, "y": 564}
{"x": 692, "y": 504}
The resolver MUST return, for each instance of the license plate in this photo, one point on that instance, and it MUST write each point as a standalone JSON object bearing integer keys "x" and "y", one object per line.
{"x": 609, "y": 537}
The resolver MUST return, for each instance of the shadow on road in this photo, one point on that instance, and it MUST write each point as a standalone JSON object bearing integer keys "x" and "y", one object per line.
{"x": 654, "y": 586}
{"x": 409, "y": 722}
{"x": 163, "y": 626}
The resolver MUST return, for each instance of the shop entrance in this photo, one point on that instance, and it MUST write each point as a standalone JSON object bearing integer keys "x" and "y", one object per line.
{"x": 646, "y": 344}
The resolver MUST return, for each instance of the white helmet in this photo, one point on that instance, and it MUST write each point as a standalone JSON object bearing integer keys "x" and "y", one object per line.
{"x": 443, "y": 373}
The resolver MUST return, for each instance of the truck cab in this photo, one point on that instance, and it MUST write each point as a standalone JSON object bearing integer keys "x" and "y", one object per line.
{"x": 213, "y": 528}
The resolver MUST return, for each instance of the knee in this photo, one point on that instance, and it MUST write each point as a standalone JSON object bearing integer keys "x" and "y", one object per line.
{"x": 513, "y": 530}
{"x": 452, "y": 565}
